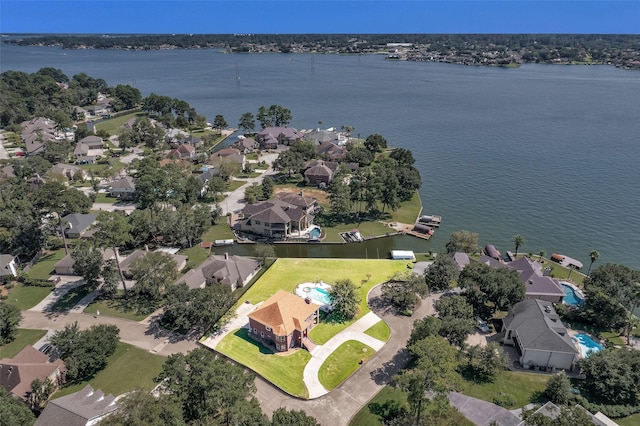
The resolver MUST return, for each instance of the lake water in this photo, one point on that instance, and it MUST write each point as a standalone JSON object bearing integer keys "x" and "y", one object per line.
{"x": 549, "y": 152}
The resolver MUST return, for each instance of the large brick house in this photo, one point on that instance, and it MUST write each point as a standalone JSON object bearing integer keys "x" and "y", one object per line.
{"x": 283, "y": 321}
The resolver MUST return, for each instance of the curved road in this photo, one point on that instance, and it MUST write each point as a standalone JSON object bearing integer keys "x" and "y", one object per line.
{"x": 341, "y": 404}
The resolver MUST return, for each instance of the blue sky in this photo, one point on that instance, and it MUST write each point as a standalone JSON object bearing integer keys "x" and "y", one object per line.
{"x": 320, "y": 16}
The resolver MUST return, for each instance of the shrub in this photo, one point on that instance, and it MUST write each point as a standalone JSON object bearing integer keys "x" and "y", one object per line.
{"x": 504, "y": 399}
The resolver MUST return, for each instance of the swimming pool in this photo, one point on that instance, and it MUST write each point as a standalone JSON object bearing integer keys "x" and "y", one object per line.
{"x": 571, "y": 298}
{"x": 587, "y": 344}
{"x": 315, "y": 233}
{"x": 320, "y": 294}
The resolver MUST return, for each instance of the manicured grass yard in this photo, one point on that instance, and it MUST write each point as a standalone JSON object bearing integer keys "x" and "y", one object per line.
{"x": 25, "y": 297}
{"x": 629, "y": 421}
{"x": 522, "y": 386}
{"x": 24, "y": 337}
{"x": 367, "y": 229}
{"x": 287, "y": 273}
{"x": 44, "y": 268}
{"x": 235, "y": 184}
{"x": 343, "y": 362}
{"x": 112, "y": 126}
{"x": 284, "y": 371}
{"x": 219, "y": 231}
{"x": 102, "y": 197}
{"x": 195, "y": 256}
{"x": 379, "y": 331}
{"x": 115, "y": 308}
{"x": 129, "y": 368}
{"x": 70, "y": 298}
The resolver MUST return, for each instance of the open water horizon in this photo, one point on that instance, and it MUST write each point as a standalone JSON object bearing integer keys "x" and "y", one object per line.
{"x": 549, "y": 152}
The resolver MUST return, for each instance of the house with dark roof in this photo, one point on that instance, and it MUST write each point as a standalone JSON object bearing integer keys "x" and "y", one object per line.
{"x": 552, "y": 411}
{"x": 7, "y": 171}
{"x": 331, "y": 151}
{"x": 461, "y": 260}
{"x": 217, "y": 160}
{"x": 534, "y": 328}
{"x": 86, "y": 407}
{"x": 65, "y": 265}
{"x": 232, "y": 271}
{"x": 69, "y": 171}
{"x": 319, "y": 174}
{"x": 8, "y": 266}
{"x": 246, "y": 145}
{"x": 123, "y": 189}
{"x": 537, "y": 284}
{"x": 271, "y": 137}
{"x": 283, "y": 321}
{"x": 78, "y": 224}
{"x": 183, "y": 152}
{"x": 125, "y": 264}
{"x": 275, "y": 218}
{"x": 320, "y": 136}
{"x": 17, "y": 373}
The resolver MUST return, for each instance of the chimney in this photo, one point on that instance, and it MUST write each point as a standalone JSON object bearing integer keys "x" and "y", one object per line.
{"x": 226, "y": 256}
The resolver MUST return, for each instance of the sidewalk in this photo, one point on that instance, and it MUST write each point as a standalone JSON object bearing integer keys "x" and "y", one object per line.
{"x": 61, "y": 289}
{"x": 241, "y": 320}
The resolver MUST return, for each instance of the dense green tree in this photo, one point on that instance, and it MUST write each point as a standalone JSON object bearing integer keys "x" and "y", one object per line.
{"x": 268, "y": 186}
{"x": 485, "y": 362}
{"x": 85, "y": 352}
{"x": 206, "y": 385}
{"x": 518, "y": 241}
{"x": 284, "y": 417}
{"x": 129, "y": 97}
{"x": 87, "y": 262}
{"x": 359, "y": 154}
{"x": 403, "y": 156}
{"x": 41, "y": 390}
{"x": 13, "y": 411}
{"x": 432, "y": 376}
{"x": 442, "y": 273}
{"x": 219, "y": 122}
{"x": 611, "y": 291}
{"x": 229, "y": 169}
{"x": 404, "y": 291}
{"x": 200, "y": 308}
{"x": 457, "y": 318}
{"x": 110, "y": 278}
{"x": 375, "y": 143}
{"x": 113, "y": 231}
{"x": 558, "y": 389}
{"x": 345, "y": 299}
{"x": 10, "y": 318}
{"x": 567, "y": 416}
{"x": 453, "y": 306}
{"x": 154, "y": 273}
{"x": 140, "y": 408}
{"x": 306, "y": 148}
{"x": 613, "y": 375}
{"x": 339, "y": 195}
{"x": 247, "y": 122}
{"x": 428, "y": 326}
{"x": 264, "y": 251}
{"x": 462, "y": 241}
{"x": 275, "y": 115}
{"x": 408, "y": 182}
{"x": 501, "y": 287}
{"x": 289, "y": 161}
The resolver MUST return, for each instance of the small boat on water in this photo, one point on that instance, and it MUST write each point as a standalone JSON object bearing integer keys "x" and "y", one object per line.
{"x": 431, "y": 220}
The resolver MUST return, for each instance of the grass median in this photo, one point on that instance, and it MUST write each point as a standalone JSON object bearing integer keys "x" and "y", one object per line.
{"x": 343, "y": 362}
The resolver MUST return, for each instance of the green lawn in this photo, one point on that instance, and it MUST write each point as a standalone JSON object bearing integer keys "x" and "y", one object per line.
{"x": 367, "y": 229}
{"x": 44, "y": 268}
{"x": 113, "y": 125}
{"x": 101, "y": 197}
{"x": 629, "y": 421}
{"x": 25, "y": 297}
{"x": 235, "y": 184}
{"x": 24, "y": 337}
{"x": 287, "y": 273}
{"x": 343, "y": 362}
{"x": 195, "y": 256}
{"x": 117, "y": 307}
{"x": 524, "y": 387}
{"x": 219, "y": 231}
{"x": 284, "y": 371}
{"x": 379, "y": 331}
{"x": 70, "y": 298}
{"x": 409, "y": 210}
{"x": 129, "y": 368}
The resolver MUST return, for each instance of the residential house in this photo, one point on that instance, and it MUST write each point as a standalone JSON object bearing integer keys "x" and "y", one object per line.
{"x": 123, "y": 189}
{"x": 7, "y": 171}
{"x": 217, "y": 160}
{"x": 225, "y": 152}
{"x": 275, "y": 218}
{"x": 461, "y": 260}
{"x": 65, "y": 265}
{"x": 552, "y": 411}
{"x": 206, "y": 177}
{"x": 17, "y": 373}
{"x": 319, "y": 174}
{"x": 309, "y": 204}
{"x": 271, "y": 137}
{"x": 246, "y": 145}
{"x": 87, "y": 407}
{"x": 232, "y": 271}
{"x": 8, "y": 265}
{"x": 125, "y": 264}
{"x": 78, "y": 224}
{"x": 321, "y": 136}
{"x": 331, "y": 151}
{"x": 284, "y": 321}
{"x": 534, "y": 328}
{"x": 183, "y": 152}
{"x": 81, "y": 113}
{"x": 88, "y": 149}
{"x": 537, "y": 284}
{"x": 36, "y": 132}
{"x": 70, "y": 171}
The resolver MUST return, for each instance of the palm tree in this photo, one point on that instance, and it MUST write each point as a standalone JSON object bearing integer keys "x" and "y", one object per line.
{"x": 518, "y": 241}
{"x": 593, "y": 256}
{"x": 541, "y": 253}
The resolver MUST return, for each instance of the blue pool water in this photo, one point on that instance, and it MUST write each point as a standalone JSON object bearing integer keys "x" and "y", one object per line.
{"x": 320, "y": 294}
{"x": 587, "y": 344}
{"x": 570, "y": 296}
{"x": 315, "y": 233}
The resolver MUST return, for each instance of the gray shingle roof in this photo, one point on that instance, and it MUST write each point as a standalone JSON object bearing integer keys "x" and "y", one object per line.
{"x": 78, "y": 408}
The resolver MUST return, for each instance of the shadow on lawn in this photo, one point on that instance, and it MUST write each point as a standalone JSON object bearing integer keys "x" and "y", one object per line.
{"x": 383, "y": 375}
{"x": 243, "y": 333}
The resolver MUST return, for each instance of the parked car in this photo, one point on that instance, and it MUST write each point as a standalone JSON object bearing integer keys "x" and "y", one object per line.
{"x": 482, "y": 326}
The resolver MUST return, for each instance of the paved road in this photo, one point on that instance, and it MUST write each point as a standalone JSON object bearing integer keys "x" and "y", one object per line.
{"x": 341, "y": 404}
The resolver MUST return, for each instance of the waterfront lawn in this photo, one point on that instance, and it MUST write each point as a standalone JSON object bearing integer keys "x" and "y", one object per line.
{"x": 44, "y": 268}
{"x": 380, "y": 331}
{"x": 70, "y": 298}
{"x": 24, "y": 337}
{"x": 409, "y": 210}
{"x": 367, "y": 229}
{"x": 524, "y": 387}
{"x": 113, "y": 125}
{"x": 219, "y": 231}
{"x": 129, "y": 368}
{"x": 343, "y": 362}
{"x": 25, "y": 297}
{"x": 284, "y": 371}
{"x": 287, "y": 273}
